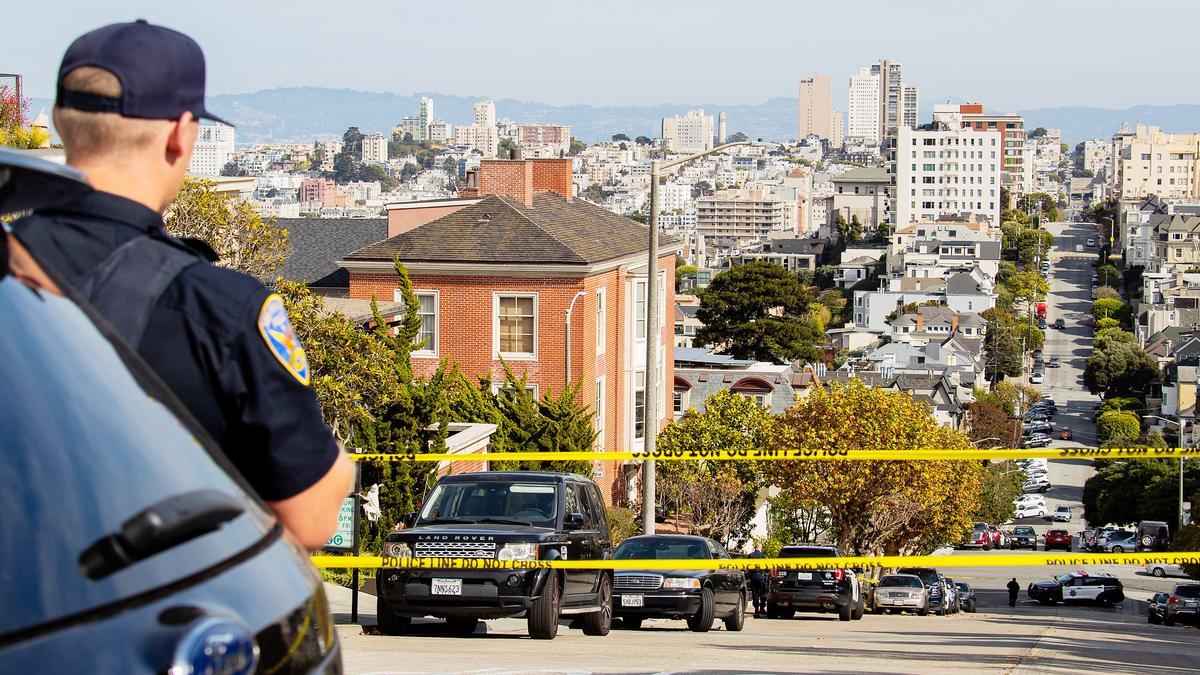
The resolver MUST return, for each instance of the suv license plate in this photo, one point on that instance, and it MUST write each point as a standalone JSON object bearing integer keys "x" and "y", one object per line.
{"x": 632, "y": 601}
{"x": 803, "y": 576}
{"x": 446, "y": 587}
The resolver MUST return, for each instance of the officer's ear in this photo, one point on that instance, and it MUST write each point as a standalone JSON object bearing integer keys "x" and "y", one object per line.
{"x": 182, "y": 137}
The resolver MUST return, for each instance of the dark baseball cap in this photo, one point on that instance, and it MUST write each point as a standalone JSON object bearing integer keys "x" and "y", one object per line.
{"x": 161, "y": 72}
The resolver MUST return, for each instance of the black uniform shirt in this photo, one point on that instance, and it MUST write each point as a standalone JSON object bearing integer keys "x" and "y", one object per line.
{"x": 218, "y": 338}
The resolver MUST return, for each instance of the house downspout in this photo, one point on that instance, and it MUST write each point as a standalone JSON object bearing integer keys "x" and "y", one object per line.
{"x": 570, "y": 308}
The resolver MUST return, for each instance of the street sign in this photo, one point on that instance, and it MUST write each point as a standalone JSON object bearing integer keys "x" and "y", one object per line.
{"x": 345, "y": 536}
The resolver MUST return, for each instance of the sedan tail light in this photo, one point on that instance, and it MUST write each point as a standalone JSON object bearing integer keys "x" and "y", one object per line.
{"x": 838, "y": 574}
{"x": 774, "y": 574}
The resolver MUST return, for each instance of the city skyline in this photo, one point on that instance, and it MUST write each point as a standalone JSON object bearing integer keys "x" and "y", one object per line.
{"x": 1030, "y": 68}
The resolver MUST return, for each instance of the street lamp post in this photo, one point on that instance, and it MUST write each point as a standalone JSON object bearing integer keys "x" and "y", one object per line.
{"x": 653, "y": 334}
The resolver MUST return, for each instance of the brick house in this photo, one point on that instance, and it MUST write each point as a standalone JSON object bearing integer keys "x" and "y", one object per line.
{"x": 514, "y": 271}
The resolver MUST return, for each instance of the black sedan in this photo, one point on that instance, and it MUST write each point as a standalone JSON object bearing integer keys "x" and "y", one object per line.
{"x": 697, "y": 596}
{"x": 1156, "y": 611}
{"x": 966, "y": 596}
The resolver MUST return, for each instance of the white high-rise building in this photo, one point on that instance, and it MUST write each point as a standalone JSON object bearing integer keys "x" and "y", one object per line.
{"x": 836, "y": 128}
{"x": 424, "y": 119}
{"x": 485, "y": 113}
{"x": 863, "y": 108}
{"x": 910, "y": 106}
{"x": 375, "y": 148}
{"x": 722, "y": 129}
{"x": 482, "y": 135}
{"x": 214, "y": 145}
{"x": 439, "y": 131}
{"x": 815, "y": 111}
{"x": 692, "y": 132}
{"x": 947, "y": 171}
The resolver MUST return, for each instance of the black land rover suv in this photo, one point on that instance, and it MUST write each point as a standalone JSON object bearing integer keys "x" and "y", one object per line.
{"x": 822, "y": 590}
{"x": 502, "y": 516}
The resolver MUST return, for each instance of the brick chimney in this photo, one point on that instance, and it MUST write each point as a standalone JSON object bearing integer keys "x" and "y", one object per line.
{"x": 521, "y": 178}
{"x": 954, "y": 322}
{"x": 920, "y": 321}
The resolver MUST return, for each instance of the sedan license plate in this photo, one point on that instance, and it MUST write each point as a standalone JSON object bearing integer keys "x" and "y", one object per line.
{"x": 632, "y": 600}
{"x": 446, "y": 587}
{"x": 804, "y": 576}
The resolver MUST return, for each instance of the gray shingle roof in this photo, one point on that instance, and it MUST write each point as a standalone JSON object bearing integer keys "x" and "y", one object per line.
{"x": 318, "y": 243}
{"x": 501, "y": 230}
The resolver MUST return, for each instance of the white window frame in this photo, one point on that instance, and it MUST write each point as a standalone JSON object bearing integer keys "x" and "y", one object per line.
{"x": 427, "y": 353}
{"x": 513, "y": 356}
{"x": 530, "y": 387}
{"x": 684, "y": 401}
{"x": 639, "y": 316}
{"x": 598, "y": 411}
{"x": 601, "y": 320}
{"x": 633, "y": 400}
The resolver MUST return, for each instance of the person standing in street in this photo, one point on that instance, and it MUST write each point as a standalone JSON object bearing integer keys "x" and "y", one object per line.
{"x": 758, "y": 583}
{"x": 128, "y": 103}
{"x": 1013, "y": 590}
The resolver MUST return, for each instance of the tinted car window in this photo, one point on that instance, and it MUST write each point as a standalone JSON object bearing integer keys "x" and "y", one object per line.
{"x": 661, "y": 548}
{"x": 895, "y": 581}
{"x": 1023, "y": 531}
{"x": 929, "y": 576}
{"x": 476, "y": 501}
{"x": 578, "y": 502}
{"x": 86, "y": 449}
{"x": 807, "y": 552}
{"x": 1188, "y": 591}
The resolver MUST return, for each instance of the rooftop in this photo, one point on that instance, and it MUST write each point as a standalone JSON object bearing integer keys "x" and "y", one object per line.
{"x": 318, "y": 243}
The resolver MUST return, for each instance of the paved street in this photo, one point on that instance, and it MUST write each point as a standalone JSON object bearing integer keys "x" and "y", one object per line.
{"x": 1027, "y": 639}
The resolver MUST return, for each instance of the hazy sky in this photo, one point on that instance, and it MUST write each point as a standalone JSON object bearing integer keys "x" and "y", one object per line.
{"x": 1010, "y": 55}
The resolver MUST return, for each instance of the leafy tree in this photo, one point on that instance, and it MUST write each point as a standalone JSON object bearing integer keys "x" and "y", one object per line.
{"x": 1131, "y": 403}
{"x": 232, "y": 168}
{"x": 1118, "y": 365}
{"x": 990, "y": 427}
{"x": 242, "y": 239}
{"x": 1118, "y": 429}
{"x": 1028, "y": 285}
{"x": 1038, "y": 132}
{"x": 347, "y": 164}
{"x": 375, "y": 172}
{"x": 738, "y": 137}
{"x": 643, "y": 140}
{"x": 1108, "y": 307}
{"x": 14, "y": 115}
{"x": 999, "y": 486}
{"x": 408, "y": 172}
{"x": 505, "y": 148}
{"x": 577, "y": 146}
{"x": 683, "y": 273}
{"x": 1107, "y": 292}
{"x": 616, "y": 138}
{"x": 875, "y": 507}
{"x": 1109, "y": 275}
{"x": 701, "y": 188}
{"x": 1007, "y": 396}
{"x": 1188, "y": 541}
{"x": 758, "y": 310}
{"x": 790, "y": 519}
{"x": 714, "y": 498}
{"x": 317, "y": 157}
{"x": 1106, "y": 323}
{"x": 450, "y": 166}
{"x": 824, "y": 276}
{"x": 1129, "y": 491}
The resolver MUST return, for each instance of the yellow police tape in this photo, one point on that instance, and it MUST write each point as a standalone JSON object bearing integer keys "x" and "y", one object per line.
{"x": 997, "y": 560}
{"x": 855, "y": 454}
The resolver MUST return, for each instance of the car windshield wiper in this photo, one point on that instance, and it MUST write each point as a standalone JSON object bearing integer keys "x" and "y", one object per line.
{"x": 159, "y": 527}
{"x": 505, "y": 521}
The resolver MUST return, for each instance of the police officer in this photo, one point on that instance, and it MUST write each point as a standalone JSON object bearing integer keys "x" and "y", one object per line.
{"x": 129, "y": 98}
{"x": 1013, "y": 590}
{"x": 758, "y": 583}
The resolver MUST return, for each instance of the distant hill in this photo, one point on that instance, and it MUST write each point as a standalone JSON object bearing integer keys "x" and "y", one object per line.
{"x": 305, "y": 113}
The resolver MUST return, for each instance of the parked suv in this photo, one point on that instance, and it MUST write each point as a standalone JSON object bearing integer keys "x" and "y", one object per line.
{"x": 513, "y": 516}
{"x": 818, "y": 590}
{"x": 1183, "y": 605}
{"x": 1153, "y": 535}
{"x": 1024, "y": 536}
{"x": 939, "y": 599}
{"x": 1078, "y": 587}
{"x": 125, "y": 526}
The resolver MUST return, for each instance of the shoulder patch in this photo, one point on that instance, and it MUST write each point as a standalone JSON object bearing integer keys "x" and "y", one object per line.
{"x": 277, "y": 332}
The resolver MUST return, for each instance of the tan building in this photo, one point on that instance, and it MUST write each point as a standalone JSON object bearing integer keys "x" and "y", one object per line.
{"x": 692, "y": 132}
{"x": 1147, "y": 161}
{"x": 815, "y": 116}
{"x": 735, "y": 215}
{"x": 375, "y": 148}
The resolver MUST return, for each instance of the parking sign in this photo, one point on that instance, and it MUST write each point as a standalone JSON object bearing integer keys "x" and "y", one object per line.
{"x": 344, "y": 537}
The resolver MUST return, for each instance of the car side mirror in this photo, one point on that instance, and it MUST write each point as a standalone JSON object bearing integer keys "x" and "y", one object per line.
{"x": 410, "y": 518}
{"x": 574, "y": 520}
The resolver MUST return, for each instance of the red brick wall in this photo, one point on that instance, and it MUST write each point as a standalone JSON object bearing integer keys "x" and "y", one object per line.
{"x": 553, "y": 175}
{"x": 510, "y": 178}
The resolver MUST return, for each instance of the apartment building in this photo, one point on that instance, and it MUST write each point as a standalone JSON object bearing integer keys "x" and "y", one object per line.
{"x": 321, "y": 191}
{"x": 375, "y": 148}
{"x": 945, "y": 170}
{"x": 481, "y": 135}
{"x": 730, "y": 216}
{"x": 863, "y": 107}
{"x": 691, "y": 132}
{"x": 837, "y": 126}
{"x": 815, "y": 114}
{"x": 910, "y": 106}
{"x": 214, "y": 147}
{"x": 1016, "y": 172}
{"x": 544, "y": 140}
{"x": 1148, "y": 161}
{"x": 861, "y": 193}
{"x": 1097, "y": 155}
{"x": 553, "y": 286}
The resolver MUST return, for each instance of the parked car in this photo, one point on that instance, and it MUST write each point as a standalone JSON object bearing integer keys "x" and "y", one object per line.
{"x": 1030, "y": 511}
{"x": 935, "y": 582}
{"x": 502, "y": 515}
{"x": 1183, "y": 605}
{"x": 141, "y": 549}
{"x": 996, "y": 535}
{"x": 1156, "y": 608}
{"x": 834, "y": 589}
{"x": 1058, "y": 539}
{"x": 1037, "y": 377}
{"x": 1030, "y": 499}
{"x": 1037, "y": 354}
{"x": 697, "y": 596}
{"x": 901, "y": 592}
{"x": 1060, "y": 324}
{"x": 1041, "y": 485}
{"x": 1062, "y": 514}
{"x": 1163, "y": 569}
{"x": 979, "y": 536}
{"x": 966, "y": 596}
{"x": 1023, "y": 537}
{"x": 1112, "y": 534}
{"x": 1054, "y": 362}
{"x": 1079, "y": 587}
{"x": 1031, "y": 428}
{"x": 952, "y": 594}
{"x": 1120, "y": 544}
{"x": 1153, "y": 535}
{"x": 1039, "y": 441}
